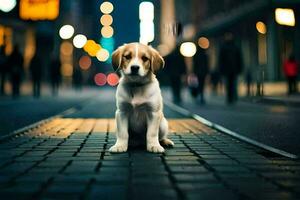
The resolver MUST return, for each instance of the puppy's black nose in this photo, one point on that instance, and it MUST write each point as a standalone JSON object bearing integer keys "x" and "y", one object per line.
{"x": 135, "y": 69}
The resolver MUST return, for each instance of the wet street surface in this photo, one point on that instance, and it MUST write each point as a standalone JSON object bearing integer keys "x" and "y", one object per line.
{"x": 67, "y": 157}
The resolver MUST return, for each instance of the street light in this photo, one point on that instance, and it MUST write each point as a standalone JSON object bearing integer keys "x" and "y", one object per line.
{"x": 188, "y": 49}
{"x": 7, "y": 5}
{"x": 66, "y": 31}
{"x": 79, "y": 41}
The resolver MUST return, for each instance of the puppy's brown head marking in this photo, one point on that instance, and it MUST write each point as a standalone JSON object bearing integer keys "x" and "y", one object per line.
{"x": 136, "y": 59}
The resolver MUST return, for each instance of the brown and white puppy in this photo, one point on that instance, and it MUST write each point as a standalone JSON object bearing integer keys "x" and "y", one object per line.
{"x": 139, "y": 101}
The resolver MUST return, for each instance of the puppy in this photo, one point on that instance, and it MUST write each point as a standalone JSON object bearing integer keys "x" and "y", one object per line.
{"x": 139, "y": 111}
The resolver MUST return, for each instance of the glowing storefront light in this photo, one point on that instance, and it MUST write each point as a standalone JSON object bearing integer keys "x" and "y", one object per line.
{"x": 146, "y": 15}
{"x": 203, "y": 42}
{"x": 285, "y": 16}
{"x": 66, "y": 31}
{"x": 102, "y": 55}
{"x": 79, "y": 41}
{"x": 106, "y": 20}
{"x": 106, "y": 7}
{"x": 39, "y": 9}
{"x": 7, "y": 5}
{"x": 188, "y": 49}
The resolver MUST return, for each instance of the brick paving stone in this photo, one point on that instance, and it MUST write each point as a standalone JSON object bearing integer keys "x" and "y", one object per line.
{"x": 212, "y": 194}
{"x": 69, "y": 159}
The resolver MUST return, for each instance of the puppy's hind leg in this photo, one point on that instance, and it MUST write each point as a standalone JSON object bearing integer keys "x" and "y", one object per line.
{"x": 163, "y": 133}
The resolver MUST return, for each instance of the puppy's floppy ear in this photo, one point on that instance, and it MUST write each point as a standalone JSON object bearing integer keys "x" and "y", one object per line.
{"x": 117, "y": 58}
{"x": 157, "y": 62}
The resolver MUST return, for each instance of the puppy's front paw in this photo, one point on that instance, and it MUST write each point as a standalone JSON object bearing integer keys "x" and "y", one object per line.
{"x": 155, "y": 148}
{"x": 167, "y": 142}
{"x": 117, "y": 148}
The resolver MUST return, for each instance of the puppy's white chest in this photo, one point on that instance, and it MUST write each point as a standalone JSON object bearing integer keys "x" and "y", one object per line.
{"x": 138, "y": 100}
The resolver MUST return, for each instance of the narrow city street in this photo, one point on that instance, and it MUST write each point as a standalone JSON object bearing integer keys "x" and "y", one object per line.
{"x": 71, "y": 150}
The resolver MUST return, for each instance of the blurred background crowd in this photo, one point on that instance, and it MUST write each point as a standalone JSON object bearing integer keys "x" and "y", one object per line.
{"x": 211, "y": 47}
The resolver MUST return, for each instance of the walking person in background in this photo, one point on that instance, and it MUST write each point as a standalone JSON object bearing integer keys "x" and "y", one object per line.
{"x": 201, "y": 70}
{"x": 36, "y": 75}
{"x": 3, "y": 69}
{"x": 55, "y": 75}
{"x": 176, "y": 68}
{"x": 15, "y": 63}
{"x": 230, "y": 63}
{"x": 290, "y": 68}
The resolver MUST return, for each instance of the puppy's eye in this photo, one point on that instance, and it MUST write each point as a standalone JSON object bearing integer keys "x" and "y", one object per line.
{"x": 144, "y": 58}
{"x": 127, "y": 57}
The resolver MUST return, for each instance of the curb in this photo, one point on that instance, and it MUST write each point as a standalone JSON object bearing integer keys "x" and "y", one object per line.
{"x": 229, "y": 132}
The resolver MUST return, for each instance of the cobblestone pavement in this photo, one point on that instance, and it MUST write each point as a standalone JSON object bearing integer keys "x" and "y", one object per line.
{"x": 66, "y": 158}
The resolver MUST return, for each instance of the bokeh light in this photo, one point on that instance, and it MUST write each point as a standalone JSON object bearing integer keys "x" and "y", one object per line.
{"x": 261, "y": 27}
{"x": 66, "y": 48}
{"x": 85, "y": 62}
{"x": 203, "y": 42}
{"x": 102, "y": 55}
{"x": 107, "y": 31}
{"x": 106, "y": 7}
{"x": 112, "y": 79}
{"x": 91, "y": 47}
{"x": 7, "y": 5}
{"x": 146, "y": 11}
{"x": 79, "y": 41}
{"x": 67, "y": 70}
{"x": 106, "y": 20}
{"x": 285, "y": 16}
{"x": 188, "y": 49}
{"x": 66, "y": 31}
{"x": 100, "y": 79}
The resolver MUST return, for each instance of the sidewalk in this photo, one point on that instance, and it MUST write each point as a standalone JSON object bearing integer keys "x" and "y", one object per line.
{"x": 68, "y": 158}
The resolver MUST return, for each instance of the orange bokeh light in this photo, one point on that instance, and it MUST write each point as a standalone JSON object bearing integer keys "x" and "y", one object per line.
{"x": 112, "y": 79}
{"x": 106, "y": 20}
{"x": 85, "y": 62}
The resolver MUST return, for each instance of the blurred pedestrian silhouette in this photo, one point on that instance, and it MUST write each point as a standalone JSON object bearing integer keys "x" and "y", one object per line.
{"x": 55, "y": 74}
{"x": 36, "y": 74}
{"x": 201, "y": 70}
{"x": 15, "y": 63}
{"x": 3, "y": 69}
{"x": 290, "y": 68}
{"x": 176, "y": 68}
{"x": 230, "y": 63}
{"x": 77, "y": 79}
{"x": 215, "y": 80}
{"x": 249, "y": 82}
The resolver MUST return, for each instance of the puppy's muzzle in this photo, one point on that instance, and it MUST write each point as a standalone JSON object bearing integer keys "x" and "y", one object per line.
{"x": 134, "y": 69}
